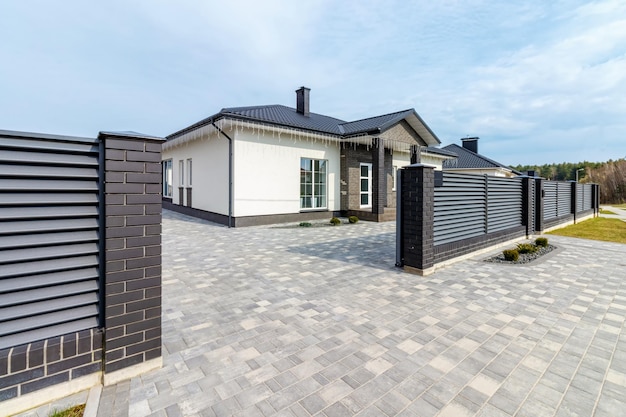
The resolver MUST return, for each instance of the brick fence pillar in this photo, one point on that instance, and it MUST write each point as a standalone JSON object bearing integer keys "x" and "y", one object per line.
{"x": 418, "y": 207}
{"x": 574, "y": 199}
{"x": 539, "y": 196}
{"x": 379, "y": 179}
{"x": 132, "y": 287}
{"x": 527, "y": 206}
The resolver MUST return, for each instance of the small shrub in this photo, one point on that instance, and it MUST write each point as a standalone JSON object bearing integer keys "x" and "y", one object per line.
{"x": 526, "y": 248}
{"x": 511, "y": 255}
{"x": 335, "y": 221}
{"x": 353, "y": 219}
{"x": 541, "y": 242}
{"x": 305, "y": 224}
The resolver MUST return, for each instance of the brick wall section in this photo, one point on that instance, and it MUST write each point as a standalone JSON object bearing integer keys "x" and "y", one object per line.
{"x": 379, "y": 179}
{"x": 418, "y": 200}
{"x": 34, "y": 366}
{"x": 539, "y": 226}
{"x": 132, "y": 295}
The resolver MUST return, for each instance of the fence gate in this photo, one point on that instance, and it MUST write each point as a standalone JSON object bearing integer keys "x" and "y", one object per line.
{"x": 49, "y": 236}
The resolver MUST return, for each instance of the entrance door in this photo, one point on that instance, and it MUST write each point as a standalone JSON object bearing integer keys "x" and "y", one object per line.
{"x": 366, "y": 185}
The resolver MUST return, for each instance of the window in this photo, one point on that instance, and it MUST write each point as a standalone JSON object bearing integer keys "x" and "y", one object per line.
{"x": 394, "y": 177}
{"x": 189, "y": 172}
{"x": 313, "y": 191}
{"x": 366, "y": 185}
{"x": 181, "y": 173}
{"x": 167, "y": 178}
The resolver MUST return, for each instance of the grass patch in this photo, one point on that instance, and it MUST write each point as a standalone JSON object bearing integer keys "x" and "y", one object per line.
{"x": 600, "y": 228}
{"x": 620, "y": 206}
{"x": 75, "y": 411}
{"x": 603, "y": 211}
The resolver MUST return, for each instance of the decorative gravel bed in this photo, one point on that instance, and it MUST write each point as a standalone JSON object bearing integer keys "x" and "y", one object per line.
{"x": 524, "y": 258}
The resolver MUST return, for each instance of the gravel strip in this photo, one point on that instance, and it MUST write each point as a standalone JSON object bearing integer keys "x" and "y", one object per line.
{"x": 524, "y": 258}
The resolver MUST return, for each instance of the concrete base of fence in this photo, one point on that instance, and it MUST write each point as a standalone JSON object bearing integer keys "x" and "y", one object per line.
{"x": 434, "y": 268}
{"x": 417, "y": 271}
{"x": 52, "y": 393}
{"x": 562, "y": 225}
{"x": 132, "y": 371}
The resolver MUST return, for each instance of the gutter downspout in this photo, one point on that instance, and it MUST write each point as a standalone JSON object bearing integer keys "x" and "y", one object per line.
{"x": 230, "y": 174}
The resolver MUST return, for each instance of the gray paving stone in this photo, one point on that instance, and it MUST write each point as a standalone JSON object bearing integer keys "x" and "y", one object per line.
{"x": 292, "y": 321}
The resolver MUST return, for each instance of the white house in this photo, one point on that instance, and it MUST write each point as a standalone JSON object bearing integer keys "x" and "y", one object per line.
{"x": 269, "y": 164}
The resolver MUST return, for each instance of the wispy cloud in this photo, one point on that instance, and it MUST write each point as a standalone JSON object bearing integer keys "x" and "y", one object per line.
{"x": 537, "y": 81}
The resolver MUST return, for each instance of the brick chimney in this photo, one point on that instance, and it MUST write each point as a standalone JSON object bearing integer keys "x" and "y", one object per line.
{"x": 471, "y": 144}
{"x": 302, "y": 100}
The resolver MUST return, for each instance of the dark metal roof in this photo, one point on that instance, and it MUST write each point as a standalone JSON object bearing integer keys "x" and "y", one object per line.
{"x": 276, "y": 114}
{"x": 438, "y": 151}
{"x": 470, "y": 160}
{"x": 130, "y": 134}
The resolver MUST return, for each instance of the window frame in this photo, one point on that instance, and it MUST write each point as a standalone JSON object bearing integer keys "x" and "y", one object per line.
{"x": 369, "y": 185}
{"x": 181, "y": 172}
{"x": 189, "y": 172}
{"x": 167, "y": 179}
{"x": 314, "y": 185}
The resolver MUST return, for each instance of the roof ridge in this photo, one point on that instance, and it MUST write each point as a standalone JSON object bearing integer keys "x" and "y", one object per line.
{"x": 484, "y": 158}
{"x": 380, "y": 115}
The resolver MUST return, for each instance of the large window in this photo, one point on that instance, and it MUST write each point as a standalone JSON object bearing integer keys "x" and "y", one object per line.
{"x": 366, "y": 185}
{"x": 167, "y": 178}
{"x": 189, "y": 177}
{"x": 313, "y": 190}
{"x": 181, "y": 173}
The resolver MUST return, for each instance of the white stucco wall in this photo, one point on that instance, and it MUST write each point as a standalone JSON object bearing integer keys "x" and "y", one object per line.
{"x": 210, "y": 172}
{"x": 267, "y": 172}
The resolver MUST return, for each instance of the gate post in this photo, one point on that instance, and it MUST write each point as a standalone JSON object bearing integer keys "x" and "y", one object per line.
{"x": 574, "y": 200}
{"x": 132, "y": 279}
{"x": 527, "y": 206}
{"x": 539, "y": 195}
{"x": 417, "y": 211}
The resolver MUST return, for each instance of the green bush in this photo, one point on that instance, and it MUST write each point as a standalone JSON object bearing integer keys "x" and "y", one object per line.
{"x": 541, "y": 242}
{"x": 353, "y": 219}
{"x": 526, "y": 248}
{"x": 511, "y": 255}
{"x": 305, "y": 224}
{"x": 335, "y": 221}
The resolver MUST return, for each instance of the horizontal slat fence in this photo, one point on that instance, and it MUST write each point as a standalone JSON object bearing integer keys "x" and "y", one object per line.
{"x": 469, "y": 205}
{"x": 444, "y": 215}
{"x": 49, "y": 237}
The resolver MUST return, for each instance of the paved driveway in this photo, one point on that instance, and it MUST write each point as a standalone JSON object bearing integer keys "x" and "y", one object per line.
{"x": 317, "y": 321}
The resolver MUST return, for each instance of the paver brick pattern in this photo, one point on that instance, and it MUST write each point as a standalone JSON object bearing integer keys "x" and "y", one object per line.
{"x": 268, "y": 321}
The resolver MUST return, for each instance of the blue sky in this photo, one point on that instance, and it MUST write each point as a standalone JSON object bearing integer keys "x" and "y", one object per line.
{"x": 538, "y": 81}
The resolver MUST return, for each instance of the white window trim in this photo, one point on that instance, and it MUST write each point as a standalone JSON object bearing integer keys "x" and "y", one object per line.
{"x": 369, "y": 184}
{"x": 167, "y": 179}
{"x": 181, "y": 172}
{"x": 303, "y": 209}
{"x": 394, "y": 177}
{"x": 189, "y": 172}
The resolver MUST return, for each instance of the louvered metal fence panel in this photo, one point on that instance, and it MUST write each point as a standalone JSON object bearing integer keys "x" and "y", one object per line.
{"x": 580, "y": 198}
{"x": 564, "y": 199}
{"x": 50, "y": 208}
{"x": 550, "y": 200}
{"x": 459, "y": 208}
{"x": 504, "y": 203}
{"x": 587, "y": 197}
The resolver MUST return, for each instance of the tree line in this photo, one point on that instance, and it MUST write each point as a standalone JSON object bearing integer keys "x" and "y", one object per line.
{"x": 611, "y": 176}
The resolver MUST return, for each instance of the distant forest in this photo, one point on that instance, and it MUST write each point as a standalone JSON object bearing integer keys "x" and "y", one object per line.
{"x": 610, "y": 175}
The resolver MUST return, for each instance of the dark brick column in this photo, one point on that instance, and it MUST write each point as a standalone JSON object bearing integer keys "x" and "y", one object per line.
{"x": 527, "y": 205}
{"x": 574, "y": 199}
{"x": 379, "y": 179}
{"x": 132, "y": 293}
{"x": 418, "y": 201}
{"x": 539, "y": 196}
